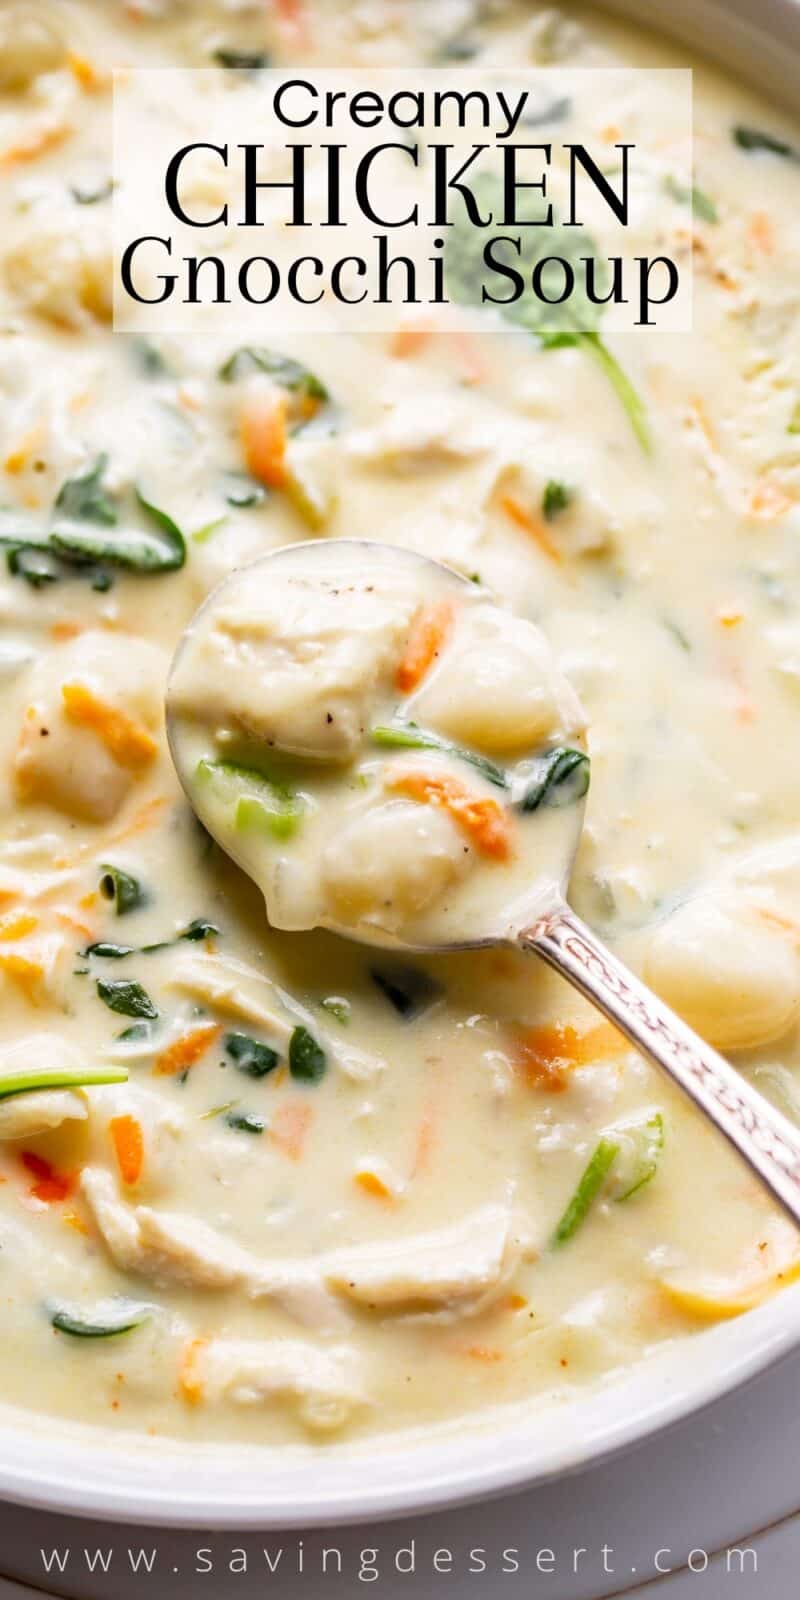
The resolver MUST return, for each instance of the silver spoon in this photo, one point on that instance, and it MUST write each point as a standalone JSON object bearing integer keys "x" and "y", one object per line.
{"x": 547, "y": 925}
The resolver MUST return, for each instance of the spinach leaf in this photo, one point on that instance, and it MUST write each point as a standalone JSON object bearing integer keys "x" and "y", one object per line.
{"x": 34, "y": 564}
{"x": 559, "y": 777}
{"x": 199, "y": 929}
{"x": 410, "y": 990}
{"x": 701, "y": 205}
{"x": 243, "y": 491}
{"x": 88, "y": 195}
{"x": 148, "y": 357}
{"x": 139, "y": 550}
{"x": 755, "y": 139}
{"x": 556, "y": 111}
{"x": 127, "y": 997}
{"x": 307, "y": 1059}
{"x": 241, "y": 60}
{"x": 84, "y": 498}
{"x": 573, "y": 323}
{"x": 457, "y": 48}
{"x": 105, "y": 1322}
{"x": 249, "y": 1055}
{"x": 126, "y": 891}
{"x": 245, "y": 1122}
{"x": 555, "y": 499}
{"x": 108, "y": 952}
{"x": 287, "y": 373}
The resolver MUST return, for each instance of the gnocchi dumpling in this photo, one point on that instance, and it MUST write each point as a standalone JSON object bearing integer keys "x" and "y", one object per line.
{"x": 498, "y": 687}
{"x": 392, "y": 862}
{"x": 90, "y": 725}
{"x": 292, "y": 672}
{"x": 63, "y": 272}
{"x": 729, "y": 972}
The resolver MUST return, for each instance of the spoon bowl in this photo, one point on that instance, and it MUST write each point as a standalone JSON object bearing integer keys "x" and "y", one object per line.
{"x": 263, "y": 665}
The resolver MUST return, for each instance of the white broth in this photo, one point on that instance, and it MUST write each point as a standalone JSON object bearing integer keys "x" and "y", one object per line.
{"x": 342, "y": 1193}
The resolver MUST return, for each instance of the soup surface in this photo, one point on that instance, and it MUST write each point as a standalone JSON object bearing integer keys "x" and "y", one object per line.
{"x": 341, "y": 1193}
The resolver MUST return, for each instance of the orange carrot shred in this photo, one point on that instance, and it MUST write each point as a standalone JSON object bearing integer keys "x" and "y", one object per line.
{"x": 127, "y": 742}
{"x": 128, "y": 1140}
{"x": 546, "y": 1054}
{"x": 484, "y": 821}
{"x": 16, "y": 924}
{"x": 25, "y": 973}
{"x": 48, "y": 1184}
{"x": 409, "y": 340}
{"x": 429, "y": 630}
{"x": 532, "y": 524}
{"x": 290, "y": 1126}
{"x": 184, "y": 1052}
{"x": 262, "y": 429}
{"x": 189, "y": 1381}
{"x": 372, "y": 1184}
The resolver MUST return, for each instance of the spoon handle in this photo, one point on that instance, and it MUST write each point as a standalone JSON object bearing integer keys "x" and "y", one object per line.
{"x": 766, "y": 1139}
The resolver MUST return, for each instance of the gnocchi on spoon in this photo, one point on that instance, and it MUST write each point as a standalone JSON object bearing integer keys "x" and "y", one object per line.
{"x": 391, "y": 755}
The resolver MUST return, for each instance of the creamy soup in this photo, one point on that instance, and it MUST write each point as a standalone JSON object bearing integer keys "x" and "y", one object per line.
{"x": 379, "y": 745}
{"x": 269, "y": 1185}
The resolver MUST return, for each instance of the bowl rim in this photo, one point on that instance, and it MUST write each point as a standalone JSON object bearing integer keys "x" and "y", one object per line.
{"x": 309, "y": 1487}
{"x": 122, "y": 1478}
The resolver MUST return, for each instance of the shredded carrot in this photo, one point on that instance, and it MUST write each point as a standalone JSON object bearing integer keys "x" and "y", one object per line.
{"x": 262, "y": 429}
{"x": 546, "y": 1054}
{"x": 761, "y": 233}
{"x": 75, "y": 925}
{"x": 430, "y": 627}
{"x": 729, "y": 617}
{"x": 127, "y": 741}
{"x": 699, "y": 416}
{"x": 409, "y": 340}
{"x": 142, "y": 819}
{"x": 293, "y": 19}
{"x": 189, "y": 1382}
{"x": 48, "y": 1184}
{"x": 184, "y": 1052}
{"x": 768, "y": 502}
{"x": 67, "y": 629}
{"x": 73, "y": 1220}
{"x": 516, "y": 1302}
{"x": 290, "y": 1126}
{"x": 36, "y": 144}
{"x": 17, "y": 460}
{"x": 85, "y": 73}
{"x": 425, "y": 1145}
{"x": 470, "y": 357}
{"x": 128, "y": 1140}
{"x": 784, "y": 924}
{"x": 16, "y": 924}
{"x": 483, "y": 1352}
{"x": 484, "y": 821}
{"x": 533, "y": 524}
{"x": 373, "y": 1185}
{"x": 88, "y": 901}
{"x": 25, "y": 973}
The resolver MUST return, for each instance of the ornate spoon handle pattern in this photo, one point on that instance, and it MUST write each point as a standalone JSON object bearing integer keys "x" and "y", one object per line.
{"x": 766, "y": 1139}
